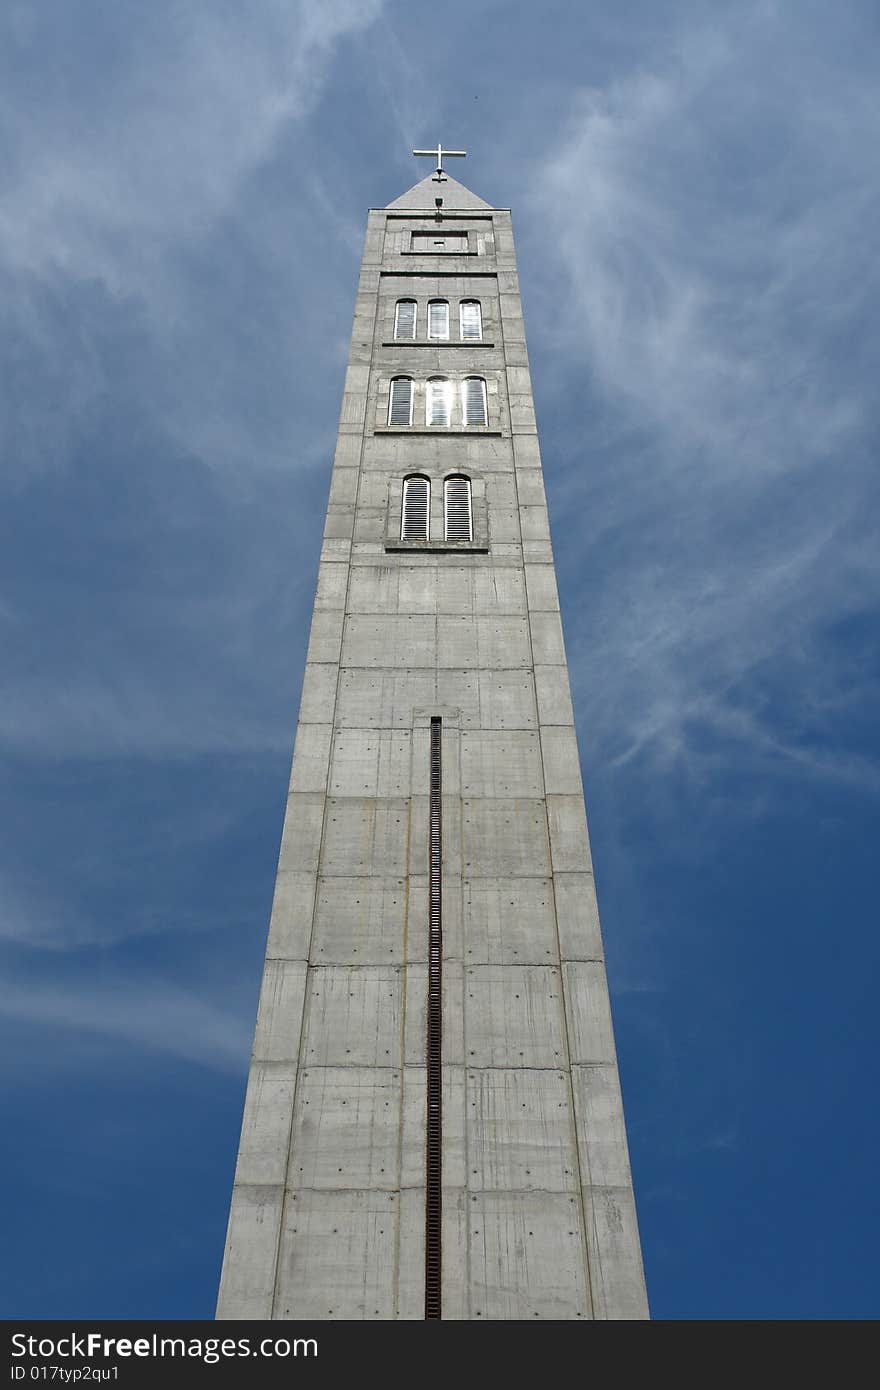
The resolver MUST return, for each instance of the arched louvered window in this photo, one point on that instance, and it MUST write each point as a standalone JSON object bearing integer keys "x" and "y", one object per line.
{"x": 415, "y": 510}
{"x": 439, "y": 402}
{"x": 457, "y": 512}
{"x": 400, "y": 401}
{"x": 438, "y": 319}
{"x": 405, "y": 320}
{"x": 471, "y": 318}
{"x": 473, "y": 400}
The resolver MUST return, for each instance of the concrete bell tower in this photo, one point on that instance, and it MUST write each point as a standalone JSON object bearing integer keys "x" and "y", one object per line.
{"x": 433, "y": 1125}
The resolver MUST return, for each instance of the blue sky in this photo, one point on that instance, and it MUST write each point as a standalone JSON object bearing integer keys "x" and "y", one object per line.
{"x": 695, "y": 192}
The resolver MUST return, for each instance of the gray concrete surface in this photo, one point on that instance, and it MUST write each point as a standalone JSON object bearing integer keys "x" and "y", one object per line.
{"x": 327, "y": 1217}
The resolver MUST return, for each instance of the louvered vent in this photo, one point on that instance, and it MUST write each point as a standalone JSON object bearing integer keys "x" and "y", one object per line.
{"x": 471, "y": 321}
{"x": 457, "y": 509}
{"x": 405, "y": 320}
{"x": 438, "y": 319}
{"x": 400, "y": 401}
{"x": 439, "y": 402}
{"x": 416, "y": 497}
{"x": 474, "y": 400}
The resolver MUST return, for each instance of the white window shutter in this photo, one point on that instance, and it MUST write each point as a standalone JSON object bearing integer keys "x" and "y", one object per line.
{"x": 438, "y": 319}
{"x": 458, "y": 514}
{"x": 439, "y": 402}
{"x": 473, "y": 390}
{"x": 400, "y": 401}
{"x": 471, "y": 321}
{"x": 405, "y": 320}
{"x": 414, "y": 515}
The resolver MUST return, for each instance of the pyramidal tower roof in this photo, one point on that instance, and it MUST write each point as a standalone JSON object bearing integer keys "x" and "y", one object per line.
{"x": 456, "y": 198}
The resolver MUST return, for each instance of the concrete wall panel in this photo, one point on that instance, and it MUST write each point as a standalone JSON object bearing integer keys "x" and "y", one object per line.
{"x": 301, "y": 835}
{"x": 353, "y": 1017}
{"x": 248, "y": 1279}
{"x": 279, "y": 1015}
{"x": 514, "y": 1016}
{"x": 370, "y": 698}
{"x": 554, "y": 696}
{"x": 318, "y": 693}
{"x": 346, "y": 1131}
{"x": 325, "y": 638}
{"x": 360, "y": 921}
{"x": 570, "y": 846}
{"x": 520, "y": 1131}
{"x": 588, "y": 1011}
{"x": 290, "y": 924}
{"x": 509, "y": 921}
{"x": 601, "y": 1130}
{"x": 507, "y": 699}
{"x": 370, "y": 762}
{"x": 265, "y": 1129}
{"x": 504, "y": 838}
{"x": 526, "y": 1256}
{"x": 338, "y": 1256}
{"x": 559, "y": 751}
{"x": 618, "y": 1282}
{"x": 577, "y": 914}
{"x": 311, "y": 757}
{"x": 541, "y": 584}
{"x": 505, "y": 763}
{"x": 365, "y": 835}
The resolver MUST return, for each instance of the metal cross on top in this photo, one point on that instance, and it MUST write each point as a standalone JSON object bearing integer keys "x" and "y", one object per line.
{"x": 441, "y": 153}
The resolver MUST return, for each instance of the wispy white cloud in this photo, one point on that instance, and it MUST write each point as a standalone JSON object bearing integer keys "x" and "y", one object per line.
{"x": 133, "y": 242}
{"x": 713, "y": 217}
{"x": 147, "y": 136}
{"x": 153, "y": 1014}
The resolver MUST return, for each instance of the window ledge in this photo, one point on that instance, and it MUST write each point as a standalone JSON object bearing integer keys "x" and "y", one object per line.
{"x": 474, "y": 431}
{"x": 439, "y": 547}
{"x": 436, "y": 342}
{"x": 431, "y": 254}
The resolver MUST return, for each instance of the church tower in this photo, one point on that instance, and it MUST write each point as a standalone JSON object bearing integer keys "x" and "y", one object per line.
{"x": 433, "y": 1124}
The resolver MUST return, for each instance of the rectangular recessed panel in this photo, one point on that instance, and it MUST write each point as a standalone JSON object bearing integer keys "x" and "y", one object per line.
{"x": 389, "y": 640}
{"x": 370, "y": 762}
{"x": 526, "y": 1257}
{"x": 353, "y": 1017}
{"x": 521, "y": 1131}
{"x": 265, "y": 1129}
{"x": 439, "y": 242}
{"x": 382, "y": 698}
{"x": 504, "y": 838}
{"x": 514, "y": 1016}
{"x": 346, "y": 1129}
{"x": 251, "y": 1243}
{"x": 483, "y": 643}
{"x": 509, "y": 921}
{"x": 360, "y": 921}
{"x": 364, "y": 835}
{"x": 337, "y": 1256}
{"x": 495, "y": 763}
